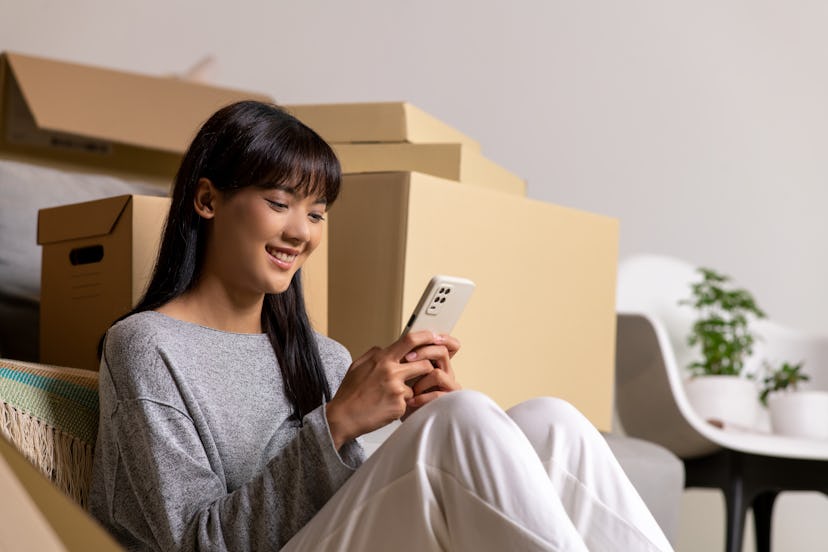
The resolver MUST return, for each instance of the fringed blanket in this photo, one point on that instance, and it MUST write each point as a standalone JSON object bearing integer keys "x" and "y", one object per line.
{"x": 51, "y": 415}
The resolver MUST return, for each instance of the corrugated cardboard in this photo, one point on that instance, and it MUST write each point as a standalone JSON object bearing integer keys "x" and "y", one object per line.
{"x": 450, "y": 161}
{"x": 35, "y": 515}
{"x": 378, "y": 122}
{"x": 542, "y": 319}
{"x": 91, "y": 119}
{"x": 98, "y": 257}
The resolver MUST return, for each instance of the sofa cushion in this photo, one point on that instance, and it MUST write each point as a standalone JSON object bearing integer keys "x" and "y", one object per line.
{"x": 656, "y": 473}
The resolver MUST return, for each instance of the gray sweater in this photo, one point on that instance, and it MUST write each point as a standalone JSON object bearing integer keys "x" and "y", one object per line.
{"x": 196, "y": 449}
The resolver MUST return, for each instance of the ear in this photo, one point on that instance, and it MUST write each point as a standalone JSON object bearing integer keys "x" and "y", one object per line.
{"x": 205, "y": 199}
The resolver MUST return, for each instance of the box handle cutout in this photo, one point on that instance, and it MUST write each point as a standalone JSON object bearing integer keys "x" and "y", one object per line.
{"x": 86, "y": 255}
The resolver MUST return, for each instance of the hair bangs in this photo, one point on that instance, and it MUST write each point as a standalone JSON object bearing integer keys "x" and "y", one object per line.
{"x": 298, "y": 159}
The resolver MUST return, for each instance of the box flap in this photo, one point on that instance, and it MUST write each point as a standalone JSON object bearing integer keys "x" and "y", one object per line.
{"x": 343, "y": 123}
{"x": 127, "y": 108}
{"x": 80, "y": 220}
{"x": 37, "y": 516}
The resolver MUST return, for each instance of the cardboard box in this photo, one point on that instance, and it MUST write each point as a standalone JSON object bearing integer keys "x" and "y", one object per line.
{"x": 35, "y": 515}
{"x": 542, "y": 319}
{"x": 450, "y": 161}
{"x": 90, "y": 119}
{"x": 98, "y": 257}
{"x": 378, "y": 122}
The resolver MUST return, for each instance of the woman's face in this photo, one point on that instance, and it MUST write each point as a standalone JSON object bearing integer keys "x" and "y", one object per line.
{"x": 261, "y": 237}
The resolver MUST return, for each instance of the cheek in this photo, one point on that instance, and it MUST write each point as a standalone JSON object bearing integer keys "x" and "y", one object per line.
{"x": 316, "y": 237}
{"x": 241, "y": 239}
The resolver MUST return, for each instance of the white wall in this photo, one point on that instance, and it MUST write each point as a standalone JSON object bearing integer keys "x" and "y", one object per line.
{"x": 702, "y": 126}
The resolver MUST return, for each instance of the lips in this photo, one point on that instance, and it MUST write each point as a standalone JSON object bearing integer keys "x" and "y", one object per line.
{"x": 281, "y": 256}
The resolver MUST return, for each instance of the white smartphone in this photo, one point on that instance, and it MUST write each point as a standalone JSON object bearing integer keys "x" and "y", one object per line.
{"x": 441, "y": 305}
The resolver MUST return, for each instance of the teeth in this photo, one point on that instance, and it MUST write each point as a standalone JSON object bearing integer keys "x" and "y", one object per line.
{"x": 282, "y": 256}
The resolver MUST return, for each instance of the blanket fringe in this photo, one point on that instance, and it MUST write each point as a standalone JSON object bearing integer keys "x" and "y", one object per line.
{"x": 63, "y": 458}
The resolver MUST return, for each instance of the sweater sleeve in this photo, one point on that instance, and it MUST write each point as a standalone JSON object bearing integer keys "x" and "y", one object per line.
{"x": 182, "y": 504}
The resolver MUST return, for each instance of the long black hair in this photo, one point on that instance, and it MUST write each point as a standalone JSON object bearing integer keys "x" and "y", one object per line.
{"x": 251, "y": 144}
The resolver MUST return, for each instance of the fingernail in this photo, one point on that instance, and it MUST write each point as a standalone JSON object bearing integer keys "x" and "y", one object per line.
{"x": 438, "y": 338}
{"x": 411, "y": 356}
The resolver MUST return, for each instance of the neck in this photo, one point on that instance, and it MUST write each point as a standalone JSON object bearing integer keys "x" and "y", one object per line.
{"x": 210, "y": 303}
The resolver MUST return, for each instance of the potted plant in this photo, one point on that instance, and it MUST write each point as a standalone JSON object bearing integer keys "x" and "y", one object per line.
{"x": 786, "y": 377}
{"x": 794, "y": 412}
{"x": 717, "y": 388}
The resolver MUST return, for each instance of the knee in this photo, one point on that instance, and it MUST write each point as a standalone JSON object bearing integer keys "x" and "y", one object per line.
{"x": 549, "y": 412}
{"x": 465, "y": 411}
{"x": 465, "y": 405}
{"x": 467, "y": 426}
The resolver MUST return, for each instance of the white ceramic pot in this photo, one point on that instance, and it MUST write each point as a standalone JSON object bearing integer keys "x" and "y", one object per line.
{"x": 731, "y": 400}
{"x": 799, "y": 413}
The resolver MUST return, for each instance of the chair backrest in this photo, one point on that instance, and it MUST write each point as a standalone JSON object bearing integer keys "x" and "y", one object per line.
{"x": 652, "y": 353}
{"x": 655, "y": 285}
{"x": 649, "y": 396}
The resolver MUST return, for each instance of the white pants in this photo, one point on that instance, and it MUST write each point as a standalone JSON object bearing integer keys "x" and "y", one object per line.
{"x": 461, "y": 474}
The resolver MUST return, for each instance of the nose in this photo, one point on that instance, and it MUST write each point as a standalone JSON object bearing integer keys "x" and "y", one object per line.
{"x": 297, "y": 227}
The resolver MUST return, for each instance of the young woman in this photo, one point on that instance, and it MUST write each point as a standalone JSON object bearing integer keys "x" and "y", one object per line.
{"x": 228, "y": 424}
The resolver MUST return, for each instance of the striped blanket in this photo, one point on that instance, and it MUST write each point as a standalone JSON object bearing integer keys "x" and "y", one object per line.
{"x": 51, "y": 415}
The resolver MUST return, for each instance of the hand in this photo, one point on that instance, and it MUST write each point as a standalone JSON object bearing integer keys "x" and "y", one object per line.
{"x": 373, "y": 392}
{"x": 437, "y": 382}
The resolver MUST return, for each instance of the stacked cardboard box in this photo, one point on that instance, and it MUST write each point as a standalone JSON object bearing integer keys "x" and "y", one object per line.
{"x": 542, "y": 319}
{"x": 397, "y": 136}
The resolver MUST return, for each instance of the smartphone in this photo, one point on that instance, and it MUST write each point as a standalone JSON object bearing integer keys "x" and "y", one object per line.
{"x": 441, "y": 305}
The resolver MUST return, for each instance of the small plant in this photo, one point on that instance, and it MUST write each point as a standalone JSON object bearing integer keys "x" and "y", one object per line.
{"x": 784, "y": 377}
{"x": 722, "y": 329}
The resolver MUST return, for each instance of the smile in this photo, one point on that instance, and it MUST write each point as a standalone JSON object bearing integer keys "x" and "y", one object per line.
{"x": 282, "y": 258}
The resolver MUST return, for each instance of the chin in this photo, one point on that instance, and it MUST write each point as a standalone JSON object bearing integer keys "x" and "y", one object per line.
{"x": 277, "y": 288}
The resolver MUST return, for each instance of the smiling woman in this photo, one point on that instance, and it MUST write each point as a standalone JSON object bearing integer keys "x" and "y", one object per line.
{"x": 226, "y": 423}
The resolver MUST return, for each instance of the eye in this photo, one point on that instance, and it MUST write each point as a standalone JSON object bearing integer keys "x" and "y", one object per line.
{"x": 277, "y": 205}
{"x": 317, "y": 217}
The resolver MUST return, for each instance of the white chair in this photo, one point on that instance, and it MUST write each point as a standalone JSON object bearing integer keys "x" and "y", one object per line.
{"x": 750, "y": 467}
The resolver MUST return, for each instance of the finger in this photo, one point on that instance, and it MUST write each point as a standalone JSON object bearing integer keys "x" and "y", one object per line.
{"x": 438, "y": 379}
{"x": 411, "y": 370}
{"x": 407, "y": 393}
{"x": 409, "y": 342}
{"x": 432, "y": 379}
{"x": 451, "y": 343}
{"x": 437, "y": 354}
{"x": 413, "y": 381}
{"x": 418, "y": 401}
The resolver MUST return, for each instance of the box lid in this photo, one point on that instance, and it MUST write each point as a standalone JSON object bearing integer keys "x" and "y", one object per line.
{"x": 378, "y": 122}
{"x": 137, "y": 110}
{"x": 80, "y": 220}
